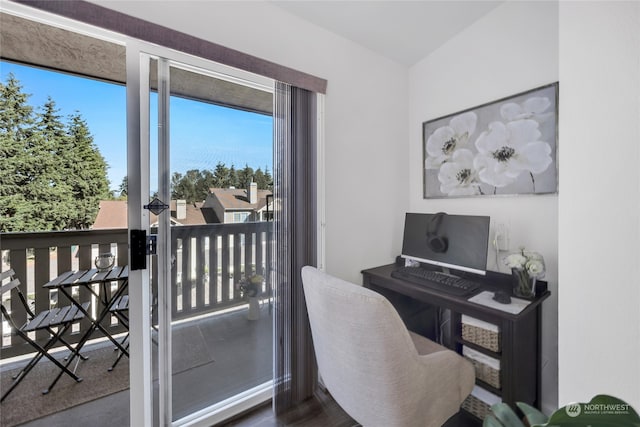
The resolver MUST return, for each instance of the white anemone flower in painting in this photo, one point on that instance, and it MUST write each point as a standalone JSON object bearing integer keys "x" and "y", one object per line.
{"x": 502, "y": 147}
{"x": 445, "y": 140}
{"x": 533, "y": 108}
{"x": 507, "y": 150}
{"x": 458, "y": 177}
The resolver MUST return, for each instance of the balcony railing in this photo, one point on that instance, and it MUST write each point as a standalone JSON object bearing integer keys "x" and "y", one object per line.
{"x": 207, "y": 261}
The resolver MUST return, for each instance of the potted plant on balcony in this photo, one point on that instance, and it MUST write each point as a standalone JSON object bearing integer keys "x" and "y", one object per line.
{"x": 250, "y": 287}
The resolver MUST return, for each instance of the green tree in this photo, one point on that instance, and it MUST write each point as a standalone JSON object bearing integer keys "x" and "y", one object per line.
{"x": 263, "y": 179}
{"x": 124, "y": 188}
{"x": 16, "y": 131}
{"x": 88, "y": 172}
{"x": 184, "y": 186}
{"x": 48, "y": 190}
{"x": 221, "y": 176}
{"x": 53, "y": 175}
{"x": 245, "y": 176}
{"x": 233, "y": 178}
{"x": 194, "y": 185}
{"x": 205, "y": 182}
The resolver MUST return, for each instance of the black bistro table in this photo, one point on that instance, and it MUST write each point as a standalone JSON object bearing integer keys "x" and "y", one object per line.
{"x": 87, "y": 278}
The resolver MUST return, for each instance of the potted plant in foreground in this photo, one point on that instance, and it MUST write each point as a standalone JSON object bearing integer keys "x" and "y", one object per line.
{"x": 250, "y": 288}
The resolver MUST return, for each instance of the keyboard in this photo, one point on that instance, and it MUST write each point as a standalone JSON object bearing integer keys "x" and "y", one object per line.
{"x": 434, "y": 280}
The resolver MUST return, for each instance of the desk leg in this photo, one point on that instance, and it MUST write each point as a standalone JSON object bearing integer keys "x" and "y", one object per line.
{"x": 452, "y": 331}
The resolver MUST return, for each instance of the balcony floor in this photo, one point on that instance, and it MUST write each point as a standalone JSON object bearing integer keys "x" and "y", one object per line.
{"x": 214, "y": 358}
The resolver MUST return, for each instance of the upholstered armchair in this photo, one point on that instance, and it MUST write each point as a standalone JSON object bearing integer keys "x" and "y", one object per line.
{"x": 377, "y": 371}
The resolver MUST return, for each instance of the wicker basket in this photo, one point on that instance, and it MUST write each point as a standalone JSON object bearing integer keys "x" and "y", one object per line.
{"x": 487, "y": 338}
{"x": 486, "y": 373}
{"x": 476, "y": 407}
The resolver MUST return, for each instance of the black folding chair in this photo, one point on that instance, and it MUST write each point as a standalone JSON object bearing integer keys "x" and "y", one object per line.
{"x": 120, "y": 309}
{"x": 60, "y": 318}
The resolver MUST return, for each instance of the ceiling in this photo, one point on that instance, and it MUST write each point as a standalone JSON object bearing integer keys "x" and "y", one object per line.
{"x": 33, "y": 43}
{"x": 404, "y": 31}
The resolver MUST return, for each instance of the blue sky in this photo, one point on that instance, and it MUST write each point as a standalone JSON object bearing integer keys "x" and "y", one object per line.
{"x": 201, "y": 134}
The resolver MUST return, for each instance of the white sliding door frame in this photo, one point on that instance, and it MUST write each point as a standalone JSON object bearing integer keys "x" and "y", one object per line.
{"x": 142, "y": 331}
{"x": 138, "y": 54}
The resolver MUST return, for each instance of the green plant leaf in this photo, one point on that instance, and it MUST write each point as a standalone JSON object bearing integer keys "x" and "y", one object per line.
{"x": 491, "y": 421}
{"x": 505, "y": 415}
{"x": 533, "y": 415}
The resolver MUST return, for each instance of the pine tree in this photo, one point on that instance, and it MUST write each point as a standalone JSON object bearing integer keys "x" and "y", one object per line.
{"x": 16, "y": 130}
{"x": 221, "y": 176}
{"x": 245, "y": 176}
{"x": 205, "y": 182}
{"x": 263, "y": 179}
{"x": 233, "y": 178}
{"x": 86, "y": 171}
{"x": 194, "y": 185}
{"x": 52, "y": 176}
{"x": 184, "y": 186}
{"x": 124, "y": 188}
{"x": 49, "y": 190}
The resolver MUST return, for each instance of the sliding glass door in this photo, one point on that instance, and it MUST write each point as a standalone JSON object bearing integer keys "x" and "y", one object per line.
{"x": 206, "y": 198}
{"x": 200, "y": 305}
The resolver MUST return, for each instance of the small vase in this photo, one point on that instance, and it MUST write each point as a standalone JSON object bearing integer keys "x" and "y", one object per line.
{"x": 523, "y": 285}
{"x": 254, "y": 309}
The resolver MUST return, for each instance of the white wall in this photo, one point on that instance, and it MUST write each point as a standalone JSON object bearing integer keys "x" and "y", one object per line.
{"x": 599, "y": 207}
{"x": 365, "y": 121}
{"x": 512, "y": 49}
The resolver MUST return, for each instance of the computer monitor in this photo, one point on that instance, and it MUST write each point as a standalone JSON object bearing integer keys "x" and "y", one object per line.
{"x": 459, "y": 242}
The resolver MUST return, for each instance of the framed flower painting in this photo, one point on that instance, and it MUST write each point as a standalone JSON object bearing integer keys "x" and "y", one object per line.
{"x": 503, "y": 147}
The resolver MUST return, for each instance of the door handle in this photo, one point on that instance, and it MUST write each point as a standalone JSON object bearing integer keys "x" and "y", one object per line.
{"x": 138, "y": 247}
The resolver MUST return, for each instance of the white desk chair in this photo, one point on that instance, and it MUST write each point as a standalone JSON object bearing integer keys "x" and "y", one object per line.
{"x": 377, "y": 371}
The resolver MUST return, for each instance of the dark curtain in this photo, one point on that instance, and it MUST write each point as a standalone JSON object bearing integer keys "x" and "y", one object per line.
{"x": 295, "y": 240}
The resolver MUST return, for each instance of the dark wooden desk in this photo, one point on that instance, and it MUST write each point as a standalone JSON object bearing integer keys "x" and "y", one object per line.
{"x": 520, "y": 360}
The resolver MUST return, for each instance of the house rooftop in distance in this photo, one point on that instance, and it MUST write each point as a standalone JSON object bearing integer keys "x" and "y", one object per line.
{"x": 233, "y": 198}
{"x": 232, "y": 205}
{"x": 113, "y": 214}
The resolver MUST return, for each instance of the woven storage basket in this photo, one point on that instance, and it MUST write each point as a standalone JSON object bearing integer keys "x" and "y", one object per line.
{"x": 476, "y": 406}
{"x": 480, "y": 336}
{"x": 486, "y": 373}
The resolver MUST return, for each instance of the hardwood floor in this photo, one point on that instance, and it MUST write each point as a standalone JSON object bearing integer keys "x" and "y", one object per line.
{"x": 319, "y": 411}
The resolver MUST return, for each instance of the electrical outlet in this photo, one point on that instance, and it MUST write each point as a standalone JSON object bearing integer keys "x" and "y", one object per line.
{"x": 501, "y": 238}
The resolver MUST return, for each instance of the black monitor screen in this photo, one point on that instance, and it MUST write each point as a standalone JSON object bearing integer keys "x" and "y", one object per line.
{"x": 452, "y": 241}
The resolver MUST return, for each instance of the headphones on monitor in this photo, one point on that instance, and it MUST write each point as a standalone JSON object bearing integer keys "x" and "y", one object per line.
{"x": 436, "y": 242}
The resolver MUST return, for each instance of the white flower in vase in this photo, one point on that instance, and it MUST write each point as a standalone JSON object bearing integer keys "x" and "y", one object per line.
{"x": 526, "y": 267}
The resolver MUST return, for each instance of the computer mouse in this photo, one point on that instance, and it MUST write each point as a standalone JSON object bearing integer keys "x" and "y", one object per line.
{"x": 502, "y": 297}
